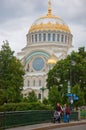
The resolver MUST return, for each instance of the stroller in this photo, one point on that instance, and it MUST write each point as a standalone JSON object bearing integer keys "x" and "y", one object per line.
{"x": 56, "y": 117}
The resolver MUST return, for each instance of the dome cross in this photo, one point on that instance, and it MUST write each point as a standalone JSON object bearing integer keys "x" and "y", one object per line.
{"x": 49, "y": 8}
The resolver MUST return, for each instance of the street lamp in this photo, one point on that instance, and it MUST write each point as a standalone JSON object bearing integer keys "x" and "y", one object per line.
{"x": 42, "y": 90}
{"x": 72, "y": 63}
{"x": 70, "y": 95}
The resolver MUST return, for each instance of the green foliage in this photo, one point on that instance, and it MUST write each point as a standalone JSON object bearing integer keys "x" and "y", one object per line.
{"x": 59, "y": 75}
{"x": 76, "y": 90}
{"x": 32, "y": 97}
{"x": 11, "y": 76}
{"x": 72, "y": 69}
{"x": 45, "y": 101}
{"x": 54, "y": 96}
{"x": 24, "y": 106}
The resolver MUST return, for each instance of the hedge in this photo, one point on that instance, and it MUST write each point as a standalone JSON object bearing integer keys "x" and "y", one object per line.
{"x": 24, "y": 106}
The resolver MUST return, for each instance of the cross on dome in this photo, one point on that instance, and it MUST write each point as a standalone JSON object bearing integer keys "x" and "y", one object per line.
{"x": 49, "y": 8}
{"x": 49, "y": 22}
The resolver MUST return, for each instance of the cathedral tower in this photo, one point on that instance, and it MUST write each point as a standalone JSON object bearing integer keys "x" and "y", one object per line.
{"x": 48, "y": 40}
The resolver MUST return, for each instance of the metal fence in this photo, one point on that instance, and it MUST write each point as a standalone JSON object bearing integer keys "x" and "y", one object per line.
{"x": 83, "y": 114}
{"x": 19, "y": 118}
{"x": 1, "y": 120}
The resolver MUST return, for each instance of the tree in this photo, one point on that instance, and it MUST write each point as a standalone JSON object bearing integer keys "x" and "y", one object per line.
{"x": 54, "y": 96}
{"x": 73, "y": 69}
{"x": 76, "y": 90}
{"x": 11, "y": 75}
{"x": 45, "y": 101}
{"x": 32, "y": 97}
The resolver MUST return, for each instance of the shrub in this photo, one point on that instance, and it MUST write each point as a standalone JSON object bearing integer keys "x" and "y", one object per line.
{"x": 24, "y": 106}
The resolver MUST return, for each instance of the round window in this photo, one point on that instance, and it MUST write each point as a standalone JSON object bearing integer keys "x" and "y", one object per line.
{"x": 38, "y": 63}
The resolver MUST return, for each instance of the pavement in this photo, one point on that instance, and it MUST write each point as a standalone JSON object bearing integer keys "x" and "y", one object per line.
{"x": 49, "y": 126}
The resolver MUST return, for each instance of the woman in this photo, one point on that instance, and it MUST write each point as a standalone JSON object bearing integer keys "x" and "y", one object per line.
{"x": 59, "y": 111}
{"x": 66, "y": 111}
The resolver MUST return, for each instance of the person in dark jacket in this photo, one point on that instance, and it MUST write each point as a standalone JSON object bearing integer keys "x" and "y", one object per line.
{"x": 58, "y": 110}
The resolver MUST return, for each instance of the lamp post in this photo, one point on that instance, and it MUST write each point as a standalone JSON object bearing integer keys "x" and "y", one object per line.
{"x": 72, "y": 63}
{"x": 42, "y": 90}
{"x": 70, "y": 95}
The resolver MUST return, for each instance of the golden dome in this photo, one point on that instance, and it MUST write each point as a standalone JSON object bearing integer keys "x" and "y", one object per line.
{"x": 52, "y": 60}
{"x": 49, "y": 22}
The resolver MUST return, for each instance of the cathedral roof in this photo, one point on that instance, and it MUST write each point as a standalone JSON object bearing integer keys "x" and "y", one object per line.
{"x": 49, "y": 22}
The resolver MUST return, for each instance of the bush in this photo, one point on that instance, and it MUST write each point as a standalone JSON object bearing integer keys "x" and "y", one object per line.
{"x": 24, "y": 106}
{"x": 45, "y": 101}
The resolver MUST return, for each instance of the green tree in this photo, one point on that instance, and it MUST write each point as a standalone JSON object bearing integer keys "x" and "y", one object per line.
{"x": 59, "y": 75}
{"x": 45, "y": 101}
{"x": 76, "y": 90}
{"x": 54, "y": 96}
{"x": 11, "y": 75}
{"x": 73, "y": 69}
{"x": 32, "y": 97}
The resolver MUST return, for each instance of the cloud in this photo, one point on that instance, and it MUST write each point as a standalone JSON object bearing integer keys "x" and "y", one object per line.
{"x": 12, "y": 9}
{"x": 16, "y": 17}
{"x": 73, "y": 11}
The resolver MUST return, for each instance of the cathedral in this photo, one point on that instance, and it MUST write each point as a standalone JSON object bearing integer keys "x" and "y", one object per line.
{"x": 48, "y": 41}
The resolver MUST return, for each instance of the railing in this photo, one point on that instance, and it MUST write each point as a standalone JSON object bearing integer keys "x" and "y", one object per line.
{"x": 83, "y": 114}
{"x": 19, "y": 118}
{"x": 1, "y": 120}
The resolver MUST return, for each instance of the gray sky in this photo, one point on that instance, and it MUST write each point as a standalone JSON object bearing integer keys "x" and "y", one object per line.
{"x": 16, "y": 17}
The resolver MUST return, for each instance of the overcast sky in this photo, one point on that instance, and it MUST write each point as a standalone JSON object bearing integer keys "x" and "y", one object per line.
{"x": 16, "y": 17}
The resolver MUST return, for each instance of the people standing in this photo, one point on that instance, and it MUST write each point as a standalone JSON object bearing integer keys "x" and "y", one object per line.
{"x": 59, "y": 110}
{"x": 66, "y": 111}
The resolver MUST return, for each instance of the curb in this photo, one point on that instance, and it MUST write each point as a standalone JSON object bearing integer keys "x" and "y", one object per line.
{"x": 60, "y": 125}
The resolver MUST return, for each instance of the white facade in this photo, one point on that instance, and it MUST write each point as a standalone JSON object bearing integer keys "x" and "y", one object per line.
{"x": 45, "y": 38}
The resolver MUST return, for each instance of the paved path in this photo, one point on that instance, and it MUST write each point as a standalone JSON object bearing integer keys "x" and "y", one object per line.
{"x": 78, "y": 127}
{"x": 49, "y": 126}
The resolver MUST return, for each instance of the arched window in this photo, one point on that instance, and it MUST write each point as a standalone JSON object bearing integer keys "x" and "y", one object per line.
{"x": 39, "y": 37}
{"x": 32, "y": 39}
{"x": 27, "y": 68}
{"x": 62, "y": 38}
{"x": 34, "y": 83}
{"x": 35, "y": 37}
{"x": 58, "y": 37}
{"x": 39, "y": 96}
{"x": 44, "y": 37}
{"x": 40, "y": 83}
{"x": 49, "y": 36}
{"x": 65, "y": 38}
{"x": 53, "y": 36}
